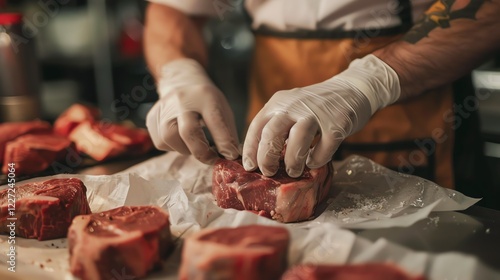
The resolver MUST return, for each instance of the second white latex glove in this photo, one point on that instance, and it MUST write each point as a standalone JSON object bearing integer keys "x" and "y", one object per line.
{"x": 188, "y": 101}
{"x": 333, "y": 109}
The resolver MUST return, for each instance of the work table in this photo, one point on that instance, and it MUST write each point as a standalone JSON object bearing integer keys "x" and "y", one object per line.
{"x": 475, "y": 231}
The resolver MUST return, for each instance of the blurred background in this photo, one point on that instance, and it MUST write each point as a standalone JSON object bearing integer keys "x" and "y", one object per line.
{"x": 91, "y": 51}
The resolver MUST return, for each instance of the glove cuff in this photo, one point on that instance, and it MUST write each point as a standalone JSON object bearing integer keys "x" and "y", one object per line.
{"x": 375, "y": 79}
{"x": 180, "y": 73}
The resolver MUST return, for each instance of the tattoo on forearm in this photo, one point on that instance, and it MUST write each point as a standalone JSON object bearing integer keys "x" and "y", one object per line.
{"x": 440, "y": 15}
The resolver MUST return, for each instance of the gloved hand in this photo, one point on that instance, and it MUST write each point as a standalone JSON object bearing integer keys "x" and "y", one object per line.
{"x": 334, "y": 109}
{"x": 188, "y": 100}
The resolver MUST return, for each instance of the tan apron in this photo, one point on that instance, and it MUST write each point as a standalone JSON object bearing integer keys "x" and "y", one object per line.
{"x": 414, "y": 137}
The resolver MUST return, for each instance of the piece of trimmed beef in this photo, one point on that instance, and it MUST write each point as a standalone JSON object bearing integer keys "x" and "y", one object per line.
{"x": 11, "y": 130}
{"x": 243, "y": 253}
{"x": 136, "y": 140}
{"x": 372, "y": 271}
{"x": 44, "y": 210}
{"x": 103, "y": 141}
{"x": 73, "y": 116}
{"x": 34, "y": 153}
{"x": 281, "y": 197}
{"x": 89, "y": 140}
{"x": 128, "y": 241}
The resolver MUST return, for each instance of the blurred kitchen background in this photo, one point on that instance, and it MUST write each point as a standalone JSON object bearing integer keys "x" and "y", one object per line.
{"x": 91, "y": 51}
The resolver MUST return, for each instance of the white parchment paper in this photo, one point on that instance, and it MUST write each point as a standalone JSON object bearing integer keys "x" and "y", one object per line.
{"x": 365, "y": 195}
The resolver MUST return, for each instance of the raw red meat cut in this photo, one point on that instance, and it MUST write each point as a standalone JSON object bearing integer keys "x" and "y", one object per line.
{"x": 136, "y": 140}
{"x": 44, "y": 210}
{"x": 283, "y": 198}
{"x": 373, "y": 271}
{"x": 90, "y": 141}
{"x": 129, "y": 240}
{"x": 73, "y": 116}
{"x": 34, "y": 153}
{"x": 243, "y": 253}
{"x": 106, "y": 140}
{"x": 12, "y": 130}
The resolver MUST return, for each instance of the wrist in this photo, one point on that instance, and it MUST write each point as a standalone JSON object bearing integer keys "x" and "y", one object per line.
{"x": 373, "y": 78}
{"x": 180, "y": 73}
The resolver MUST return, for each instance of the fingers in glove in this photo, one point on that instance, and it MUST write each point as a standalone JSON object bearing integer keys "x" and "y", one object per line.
{"x": 298, "y": 146}
{"x": 220, "y": 123}
{"x": 169, "y": 134}
{"x": 322, "y": 152}
{"x": 252, "y": 139}
{"x": 272, "y": 142}
{"x": 191, "y": 132}
{"x": 165, "y": 134}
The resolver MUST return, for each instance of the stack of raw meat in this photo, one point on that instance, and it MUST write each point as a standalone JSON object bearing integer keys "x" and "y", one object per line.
{"x": 34, "y": 146}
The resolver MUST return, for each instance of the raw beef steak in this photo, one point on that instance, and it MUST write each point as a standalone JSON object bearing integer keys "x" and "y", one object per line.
{"x": 136, "y": 140}
{"x": 34, "y": 153}
{"x": 283, "y": 198}
{"x": 348, "y": 272}
{"x": 126, "y": 241}
{"x": 102, "y": 141}
{"x": 12, "y": 130}
{"x": 73, "y": 116}
{"x": 44, "y": 210}
{"x": 89, "y": 140}
{"x": 248, "y": 252}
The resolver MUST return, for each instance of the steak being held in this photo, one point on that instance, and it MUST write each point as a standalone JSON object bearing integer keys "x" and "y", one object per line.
{"x": 281, "y": 197}
{"x": 243, "y": 253}
{"x": 129, "y": 240}
{"x": 44, "y": 210}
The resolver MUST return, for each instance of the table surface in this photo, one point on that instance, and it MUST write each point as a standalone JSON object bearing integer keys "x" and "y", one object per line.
{"x": 474, "y": 231}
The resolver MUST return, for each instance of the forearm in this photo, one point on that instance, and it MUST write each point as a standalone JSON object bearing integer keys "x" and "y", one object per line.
{"x": 170, "y": 34}
{"x": 444, "y": 45}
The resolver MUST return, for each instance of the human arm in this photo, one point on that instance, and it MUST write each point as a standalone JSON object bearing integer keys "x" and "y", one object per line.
{"x": 188, "y": 100}
{"x": 448, "y": 42}
{"x": 170, "y": 34}
{"x": 341, "y": 105}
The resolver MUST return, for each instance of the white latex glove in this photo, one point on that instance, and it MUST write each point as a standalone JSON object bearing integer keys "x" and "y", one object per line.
{"x": 188, "y": 101}
{"x": 334, "y": 109}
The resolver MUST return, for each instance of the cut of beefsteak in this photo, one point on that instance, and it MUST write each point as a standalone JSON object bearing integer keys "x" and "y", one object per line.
{"x": 373, "y": 271}
{"x": 243, "y": 253}
{"x": 136, "y": 140}
{"x": 73, "y": 116}
{"x": 283, "y": 198}
{"x": 44, "y": 210}
{"x": 12, "y": 130}
{"x": 126, "y": 241}
{"x": 102, "y": 140}
{"x": 34, "y": 153}
{"x": 89, "y": 140}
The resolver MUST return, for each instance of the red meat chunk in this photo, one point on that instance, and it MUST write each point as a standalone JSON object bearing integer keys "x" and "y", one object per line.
{"x": 44, "y": 210}
{"x": 281, "y": 197}
{"x": 129, "y": 240}
{"x": 244, "y": 253}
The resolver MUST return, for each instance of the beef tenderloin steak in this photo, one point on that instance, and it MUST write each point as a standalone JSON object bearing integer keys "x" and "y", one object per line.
{"x": 243, "y": 253}
{"x": 372, "y": 271}
{"x": 129, "y": 240}
{"x": 281, "y": 197}
{"x": 44, "y": 210}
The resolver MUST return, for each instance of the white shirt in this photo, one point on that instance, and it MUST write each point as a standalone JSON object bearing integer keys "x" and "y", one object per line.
{"x": 293, "y": 15}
